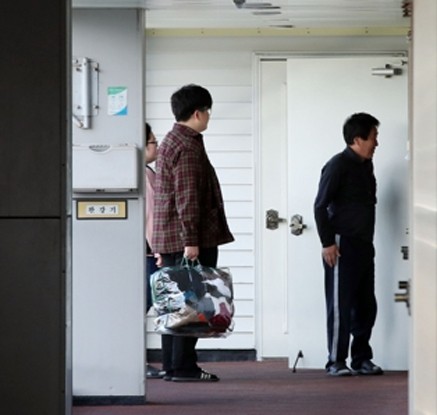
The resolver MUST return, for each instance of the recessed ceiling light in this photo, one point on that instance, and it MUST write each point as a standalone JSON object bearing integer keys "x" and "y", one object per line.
{"x": 260, "y": 6}
{"x": 266, "y": 13}
{"x": 282, "y": 26}
{"x": 241, "y": 4}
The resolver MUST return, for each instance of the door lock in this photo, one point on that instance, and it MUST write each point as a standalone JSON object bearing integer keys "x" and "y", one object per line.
{"x": 405, "y": 252}
{"x": 296, "y": 224}
{"x": 273, "y": 219}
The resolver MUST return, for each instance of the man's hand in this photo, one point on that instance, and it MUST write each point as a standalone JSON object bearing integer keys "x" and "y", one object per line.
{"x": 330, "y": 254}
{"x": 158, "y": 260}
{"x": 191, "y": 252}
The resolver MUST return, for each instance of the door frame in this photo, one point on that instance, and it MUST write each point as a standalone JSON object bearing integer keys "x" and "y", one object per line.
{"x": 280, "y": 203}
{"x": 423, "y": 106}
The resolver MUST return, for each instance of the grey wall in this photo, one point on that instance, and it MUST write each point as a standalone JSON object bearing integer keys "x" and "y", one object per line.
{"x": 108, "y": 254}
{"x": 33, "y": 213}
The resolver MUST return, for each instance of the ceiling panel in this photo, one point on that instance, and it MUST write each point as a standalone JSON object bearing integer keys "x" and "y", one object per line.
{"x": 275, "y": 13}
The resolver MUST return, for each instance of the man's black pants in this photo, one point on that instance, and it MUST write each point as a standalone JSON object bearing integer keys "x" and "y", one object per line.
{"x": 350, "y": 301}
{"x": 178, "y": 352}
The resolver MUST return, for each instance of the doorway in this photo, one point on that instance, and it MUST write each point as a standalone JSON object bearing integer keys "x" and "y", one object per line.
{"x": 320, "y": 92}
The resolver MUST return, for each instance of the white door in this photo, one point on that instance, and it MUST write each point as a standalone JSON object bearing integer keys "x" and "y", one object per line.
{"x": 322, "y": 93}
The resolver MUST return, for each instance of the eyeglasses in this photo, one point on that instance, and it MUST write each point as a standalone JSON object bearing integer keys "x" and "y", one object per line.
{"x": 208, "y": 110}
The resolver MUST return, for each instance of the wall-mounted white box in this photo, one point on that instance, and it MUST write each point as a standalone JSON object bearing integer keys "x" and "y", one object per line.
{"x": 105, "y": 168}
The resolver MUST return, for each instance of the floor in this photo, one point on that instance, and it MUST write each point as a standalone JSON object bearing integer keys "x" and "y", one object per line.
{"x": 269, "y": 387}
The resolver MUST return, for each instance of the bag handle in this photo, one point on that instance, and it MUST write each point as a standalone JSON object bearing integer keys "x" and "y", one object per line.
{"x": 185, "y": 262}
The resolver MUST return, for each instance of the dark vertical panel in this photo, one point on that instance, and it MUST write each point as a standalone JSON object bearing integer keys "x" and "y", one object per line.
{"x": 32, "y": 101}
{"x": 31, "y": 378}
{"x": 34, "y": 142}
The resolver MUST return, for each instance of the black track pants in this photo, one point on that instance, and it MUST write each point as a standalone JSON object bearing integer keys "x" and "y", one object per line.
{"x": 350, "y": 301}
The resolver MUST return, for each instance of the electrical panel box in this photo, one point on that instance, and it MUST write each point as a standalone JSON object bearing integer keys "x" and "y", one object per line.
{"x": 105, "y": 168}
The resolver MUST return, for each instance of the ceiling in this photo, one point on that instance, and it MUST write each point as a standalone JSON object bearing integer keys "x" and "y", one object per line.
{"x": 274, "y": 13}
{"x": 264, "y": 14}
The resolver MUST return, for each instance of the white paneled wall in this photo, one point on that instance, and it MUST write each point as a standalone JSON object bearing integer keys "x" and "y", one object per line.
{"x": 229, "y": 144}
{"x": 224, "y": 66}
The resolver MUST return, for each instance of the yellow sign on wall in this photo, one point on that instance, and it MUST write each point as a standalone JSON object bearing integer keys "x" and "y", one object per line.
{"x": 101, "y": 209}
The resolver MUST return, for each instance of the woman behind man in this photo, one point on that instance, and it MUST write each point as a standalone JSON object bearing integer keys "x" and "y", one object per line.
{"x": 151, "y": 266}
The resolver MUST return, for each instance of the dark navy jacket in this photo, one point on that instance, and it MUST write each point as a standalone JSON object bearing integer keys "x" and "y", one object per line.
{"x": 345, "y": 202}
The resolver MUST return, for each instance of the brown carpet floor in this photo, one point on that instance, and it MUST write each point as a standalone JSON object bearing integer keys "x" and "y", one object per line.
{"x": 269, "y": 387}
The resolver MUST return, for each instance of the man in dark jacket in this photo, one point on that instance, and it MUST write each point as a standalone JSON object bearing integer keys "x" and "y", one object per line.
{"x": 345, "y": 216}
{"x": 189, "y": 216}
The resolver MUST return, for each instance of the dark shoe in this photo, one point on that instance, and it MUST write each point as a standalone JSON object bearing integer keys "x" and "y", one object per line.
{"x": 168, "y": 376}
{"x": 368, "y": 368}
{"x": 200, "y": 376}
{"x": 154, "y": 373}
{"x": 338, "y": 369}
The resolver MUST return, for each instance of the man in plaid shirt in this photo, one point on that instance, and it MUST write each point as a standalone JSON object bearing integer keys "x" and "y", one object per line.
{"x": 189, "y": 215}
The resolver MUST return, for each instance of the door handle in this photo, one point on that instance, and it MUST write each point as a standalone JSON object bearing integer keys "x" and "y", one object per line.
{"x": 273, "y": 219}
{"x": 296, "y": 224}
{"x": 403, "y": 297}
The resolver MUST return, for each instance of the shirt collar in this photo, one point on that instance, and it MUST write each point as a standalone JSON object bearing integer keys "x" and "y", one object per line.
{"x": 187, "y": 131}
{"x": 348, "y": 152}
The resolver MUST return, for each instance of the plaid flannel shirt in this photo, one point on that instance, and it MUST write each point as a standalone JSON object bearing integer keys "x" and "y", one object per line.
{"x": 189, "y": 209}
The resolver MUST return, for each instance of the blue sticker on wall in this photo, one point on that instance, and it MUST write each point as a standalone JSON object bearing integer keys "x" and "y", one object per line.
{"x": 117, "y": 100}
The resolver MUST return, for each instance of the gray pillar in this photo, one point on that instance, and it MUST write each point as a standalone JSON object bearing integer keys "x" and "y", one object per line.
{"x": 34, "y": 215}
{"x": 108, "y": 252}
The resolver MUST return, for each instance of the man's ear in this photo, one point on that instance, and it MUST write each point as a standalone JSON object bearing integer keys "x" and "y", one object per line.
{"x": 355, "y": 143}
{"x": 357, "y": 140}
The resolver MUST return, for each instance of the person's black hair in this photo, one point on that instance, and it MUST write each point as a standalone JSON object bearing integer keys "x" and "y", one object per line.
{"x": 360, "y": 125}
{"x": 148, "y": 132}
{"x": 188, "y": 99}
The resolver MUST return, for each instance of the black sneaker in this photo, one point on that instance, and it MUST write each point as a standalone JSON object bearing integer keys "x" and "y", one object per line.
{"x": 168, "y": 376}
{"x": 200, "y": 376}
{"x": 368, "y": 368}
{"x": 154, "y": 373}
{"x": 338, "y": 369}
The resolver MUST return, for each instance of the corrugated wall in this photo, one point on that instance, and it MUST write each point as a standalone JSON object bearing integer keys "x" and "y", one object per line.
{"x": 227, "y": 75}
